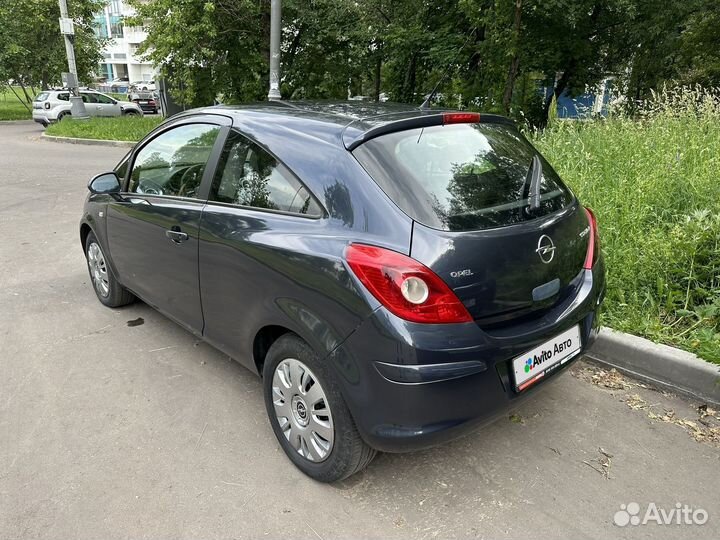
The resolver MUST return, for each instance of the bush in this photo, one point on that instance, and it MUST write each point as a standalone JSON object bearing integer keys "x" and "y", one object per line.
{"x": 654, "y": 183}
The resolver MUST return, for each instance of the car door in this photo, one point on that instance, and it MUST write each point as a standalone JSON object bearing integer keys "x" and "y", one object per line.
{"x": 107, "y": 106}
{"x": 153, "y": 225}
{"x": 91, "y": 104}
{"x": 255, "y": 208}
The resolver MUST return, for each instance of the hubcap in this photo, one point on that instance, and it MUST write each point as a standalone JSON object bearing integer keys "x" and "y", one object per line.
{"x": 98, "y": 269}
{"x": 302, "y": 410}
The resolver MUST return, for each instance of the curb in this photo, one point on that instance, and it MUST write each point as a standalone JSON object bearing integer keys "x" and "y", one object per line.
{"x": 26, "y": 121}
{"x": 663, "y": 366}
{"x": 91, "y": 142}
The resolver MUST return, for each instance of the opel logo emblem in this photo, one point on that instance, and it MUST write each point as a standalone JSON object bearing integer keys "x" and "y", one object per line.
{"x": 545, "y": 248}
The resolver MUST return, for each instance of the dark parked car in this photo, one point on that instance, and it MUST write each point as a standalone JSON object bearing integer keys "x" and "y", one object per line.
{"x": 396, "y": 276}
{"x": 147, "y": 101}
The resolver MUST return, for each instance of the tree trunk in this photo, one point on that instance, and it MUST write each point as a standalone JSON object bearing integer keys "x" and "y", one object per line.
{"x": 28, "y": 99}
{"x": 289, "y": 59}
{"x": 559, "y": 88}
{"x": 563, "y": 81}
{"x": 515, "y": 62}
{"x": 20, "y": 99}
{"x": 378, "y": 69}
{"x": 409, "y": 86}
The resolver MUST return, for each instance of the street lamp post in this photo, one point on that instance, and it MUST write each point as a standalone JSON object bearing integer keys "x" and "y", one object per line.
{"x": 275, "y": 31}
{"x": 77, "y": 106}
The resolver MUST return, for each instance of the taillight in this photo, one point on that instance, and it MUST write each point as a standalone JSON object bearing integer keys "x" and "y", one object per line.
{"x": 461, "y": 118}
{"x": 404, "y": 286}
{"x": 47, "y": 105}
{"x": 593, "y": 250}
{"x": 151, "y": 102}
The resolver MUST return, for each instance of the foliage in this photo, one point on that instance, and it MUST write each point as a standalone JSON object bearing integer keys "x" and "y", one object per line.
{"x": 653, "y": 184}
{"x": 488, "y": 54}
{"x": 122, "y": 128}
{"x": 32, "y": 50}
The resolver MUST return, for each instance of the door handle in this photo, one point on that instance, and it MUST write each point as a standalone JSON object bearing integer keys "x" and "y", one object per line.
{"x": 176, "y": 235}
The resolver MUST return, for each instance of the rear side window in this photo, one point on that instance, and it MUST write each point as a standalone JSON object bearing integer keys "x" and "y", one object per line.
{"x": 250, "y": 176}
{"x": 463, "y": 176}
{"x": 63, "y": 96}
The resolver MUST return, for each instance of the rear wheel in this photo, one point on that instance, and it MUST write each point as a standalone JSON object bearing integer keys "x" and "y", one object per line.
{"x": 308, "y": 413}
{"x": 106, "y": 287}
{"x": 63, "y": 115}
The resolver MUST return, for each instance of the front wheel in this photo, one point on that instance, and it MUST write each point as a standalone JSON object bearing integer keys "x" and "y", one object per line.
{"x": 107, "y": 288}
{"x": 131, "y": 113}
{"x": 308, "y": 413}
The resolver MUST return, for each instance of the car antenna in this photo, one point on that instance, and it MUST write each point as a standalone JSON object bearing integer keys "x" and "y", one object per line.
{"x": 426, "y": 104}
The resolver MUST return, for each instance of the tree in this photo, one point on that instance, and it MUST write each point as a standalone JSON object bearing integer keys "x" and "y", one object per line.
{"x": 32, "y": 50}
{"x": 673, "y": 43}
{"x": 489, "y": 54}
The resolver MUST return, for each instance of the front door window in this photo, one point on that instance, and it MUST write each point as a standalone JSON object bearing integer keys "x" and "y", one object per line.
{"x": 173, "y": 163}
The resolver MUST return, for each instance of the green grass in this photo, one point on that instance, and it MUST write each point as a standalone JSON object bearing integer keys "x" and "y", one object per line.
{"x": 119, "y": 97}
{"x": 117, "y": 129}
{"x": 654, "y": 183}
{"x": 10, "y": 107}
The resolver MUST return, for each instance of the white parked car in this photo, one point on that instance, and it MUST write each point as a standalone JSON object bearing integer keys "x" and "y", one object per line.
{"x": 53, "y": 105}
{"x": 143, "y": 86}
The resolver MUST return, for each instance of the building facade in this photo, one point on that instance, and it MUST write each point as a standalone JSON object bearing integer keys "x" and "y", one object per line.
{"x": 120, "y": 54}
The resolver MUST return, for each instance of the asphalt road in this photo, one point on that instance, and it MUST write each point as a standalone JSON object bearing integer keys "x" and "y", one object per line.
{"x": 109, "y": 431}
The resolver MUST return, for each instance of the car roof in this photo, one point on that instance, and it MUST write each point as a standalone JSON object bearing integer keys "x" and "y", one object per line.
{"x": 339, "y": 122}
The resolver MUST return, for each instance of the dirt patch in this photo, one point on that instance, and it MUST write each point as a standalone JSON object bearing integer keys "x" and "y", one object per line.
{"x": 704, "y": 427}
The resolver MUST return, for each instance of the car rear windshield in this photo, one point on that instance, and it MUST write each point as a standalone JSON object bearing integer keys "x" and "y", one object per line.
{"x": 42, "y": 96}
{"x": 463, "y": 176}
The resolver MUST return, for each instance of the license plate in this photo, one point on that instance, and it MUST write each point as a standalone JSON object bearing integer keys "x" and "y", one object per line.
{"x": 143, "y": 102}
{"x": 538, "y": 362}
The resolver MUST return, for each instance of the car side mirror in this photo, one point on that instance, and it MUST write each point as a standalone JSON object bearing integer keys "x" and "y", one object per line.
{"x": 104, "y": 183}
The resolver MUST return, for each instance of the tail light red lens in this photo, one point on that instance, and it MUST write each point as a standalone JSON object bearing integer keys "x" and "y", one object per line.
{"x": 461, "y": 118}
{"x": 404, "y": 286}
{"x": 593, "y": 250}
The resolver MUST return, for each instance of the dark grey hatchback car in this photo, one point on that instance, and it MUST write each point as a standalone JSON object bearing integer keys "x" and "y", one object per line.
{"x": 396, "y": 276}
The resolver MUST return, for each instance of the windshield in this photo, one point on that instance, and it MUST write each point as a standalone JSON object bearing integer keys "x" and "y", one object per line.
{"x": 464, "y": 176}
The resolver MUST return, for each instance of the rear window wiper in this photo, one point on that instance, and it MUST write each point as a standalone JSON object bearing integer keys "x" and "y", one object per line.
{"x": 532, "y": 181}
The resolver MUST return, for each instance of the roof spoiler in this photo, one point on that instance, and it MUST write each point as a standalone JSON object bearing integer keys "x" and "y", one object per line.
{"x": 427, "y": 120}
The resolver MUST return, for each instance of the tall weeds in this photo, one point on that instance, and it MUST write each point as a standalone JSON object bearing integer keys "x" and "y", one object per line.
{"x": 653, "y": 179}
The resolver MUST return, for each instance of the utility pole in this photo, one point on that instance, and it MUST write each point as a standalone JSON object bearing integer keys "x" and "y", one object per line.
{"x": 77, "y": 106}
{"x": 275, "y": 31}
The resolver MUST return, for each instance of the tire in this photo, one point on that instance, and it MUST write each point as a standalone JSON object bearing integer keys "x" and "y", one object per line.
{"x": 131, "y": 113}
{"x": 63, "y": 115}
{"x": 290, "y": 374}
{"x": 106, "y": 287}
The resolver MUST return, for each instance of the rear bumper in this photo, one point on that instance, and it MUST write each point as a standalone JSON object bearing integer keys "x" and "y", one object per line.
{"x": 41, "y": 117}
{"x": 413, "y": 386}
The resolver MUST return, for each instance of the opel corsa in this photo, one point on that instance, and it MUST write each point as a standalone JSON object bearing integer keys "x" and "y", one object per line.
{"x": 396, "y": 276}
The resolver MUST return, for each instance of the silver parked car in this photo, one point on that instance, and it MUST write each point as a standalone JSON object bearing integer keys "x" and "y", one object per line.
{"x": 53, "y": 105}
